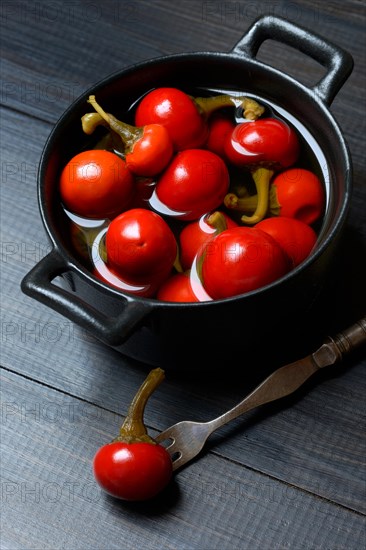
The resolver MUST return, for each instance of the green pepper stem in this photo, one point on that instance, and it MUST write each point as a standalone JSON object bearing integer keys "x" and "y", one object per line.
{"x": 128, "y": 134}
{"x": 133, "y": 428}
{"x": 217, "y": 221}
{"x": 251, "y": 109}
{"x": 256, "y": 204}
{"x": 249, "y": 204}
{"x": 243, "y": 204}
{"x": 262, "y": 178}
{"x": 90, "y": 121}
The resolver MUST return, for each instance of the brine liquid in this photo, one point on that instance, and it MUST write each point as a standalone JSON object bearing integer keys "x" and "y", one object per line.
{"x": 87, "y": 236}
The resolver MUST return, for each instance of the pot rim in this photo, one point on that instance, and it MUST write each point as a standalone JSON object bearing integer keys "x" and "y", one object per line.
{"x": 76, "y": 266}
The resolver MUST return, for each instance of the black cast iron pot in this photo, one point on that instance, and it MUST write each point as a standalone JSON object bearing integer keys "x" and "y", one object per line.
{"x": 200, "y": 334}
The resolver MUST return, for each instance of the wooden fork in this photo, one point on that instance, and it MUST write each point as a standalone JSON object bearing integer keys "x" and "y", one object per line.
{"x": 188, "y": 438}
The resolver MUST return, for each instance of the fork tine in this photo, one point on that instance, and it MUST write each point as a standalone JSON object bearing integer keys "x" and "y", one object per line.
{"x": 169, "y": 447}
{"x": 175, "y": 455}
{"x": 178, "y": 462}
{"x": 187, "y": 440}
{"x": 164, "y": 437}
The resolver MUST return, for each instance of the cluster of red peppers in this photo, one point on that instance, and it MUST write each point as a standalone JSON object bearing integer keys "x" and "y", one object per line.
{"x": 199, "y": 205}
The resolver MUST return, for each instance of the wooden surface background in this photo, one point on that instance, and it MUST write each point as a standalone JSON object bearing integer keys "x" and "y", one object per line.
{"x": 290, "y": 475}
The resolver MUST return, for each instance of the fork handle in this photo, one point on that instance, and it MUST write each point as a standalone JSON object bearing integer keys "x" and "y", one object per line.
{"x": 351, "y": 338}
{"x": 289, "y": 378}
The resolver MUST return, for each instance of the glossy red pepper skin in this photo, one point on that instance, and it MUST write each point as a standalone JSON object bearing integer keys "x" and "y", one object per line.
{"x": 141, "y": 247}
{"x": 175, "y": 110}
{"x": 195, "y": 182}
{"x": 220, "y": 125}
{"x": 96, "y": 184}
{"x": 151, "y": 153}
{"x": 132, "y": 471}
{"x": 295, "y": 237}
{"x": 177, "y": 288}
{"x": 268, "y": 141}
{"x": 299, "y": 194}
{"x": 240, "y": 260}
{"x": 195, "y": 235}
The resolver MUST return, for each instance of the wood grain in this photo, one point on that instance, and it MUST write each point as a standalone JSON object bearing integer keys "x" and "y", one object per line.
{"x": 49, "y": 488}
{"x": 290, "y": 475}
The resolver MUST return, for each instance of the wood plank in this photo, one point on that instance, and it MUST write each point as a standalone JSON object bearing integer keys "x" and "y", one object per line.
{"x": 50, "y": 499}
{"x": 128, "y": 32}
{"x": 290, "y": 475}
{"x": 141, "y": 30}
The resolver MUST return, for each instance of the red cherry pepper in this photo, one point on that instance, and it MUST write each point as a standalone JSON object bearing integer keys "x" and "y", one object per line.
{"x": 177, "y": 112}
{"x": 220, "y": 125}
{"x": 263, "y": 146}
{"x": 177, "y": 288}
{"x": 294, "y": 193}
{"x": 195, "y": 182}
{"x": 295, "y": 237}
{"x": 141, "y": 247}
{"x": 89, "y": 242}
{"x": 268, "y": 141}
{"x": 240, "y": 260}
{"x": 195, "y": 235}
{"x": 133, "y": 466}
{"x": 300, "y": 194}
{"x": 96, "y": 184}
{"x": 147, "y": 149}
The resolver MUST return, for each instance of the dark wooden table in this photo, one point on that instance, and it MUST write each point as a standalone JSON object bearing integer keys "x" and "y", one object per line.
{"x": 290, "y": 475}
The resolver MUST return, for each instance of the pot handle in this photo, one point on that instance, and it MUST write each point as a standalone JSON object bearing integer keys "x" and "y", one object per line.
{"x": 339, "y": 63}
{"x": 113, "y": 331}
